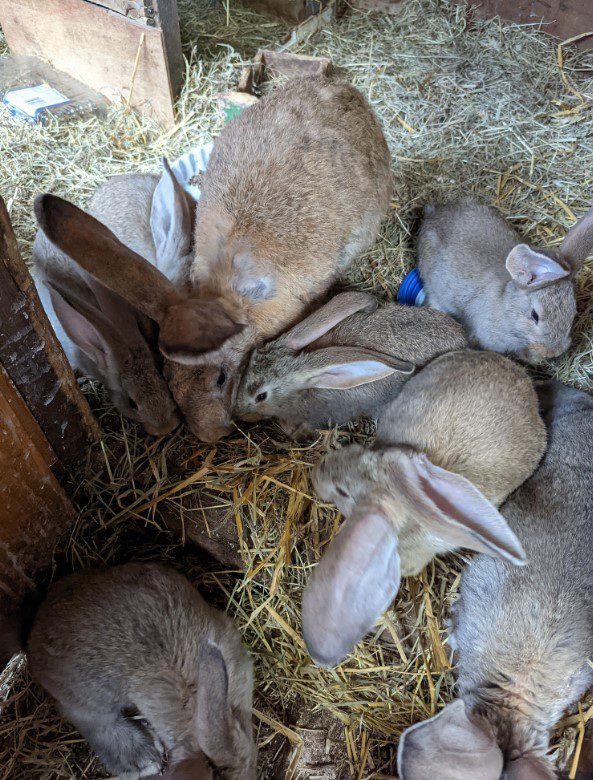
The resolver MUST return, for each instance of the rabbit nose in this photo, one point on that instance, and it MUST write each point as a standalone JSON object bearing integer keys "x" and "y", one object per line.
{"x": 165, "y": 428}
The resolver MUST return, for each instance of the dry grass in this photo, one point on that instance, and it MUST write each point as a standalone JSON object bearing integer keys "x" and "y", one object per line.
{"x": 466, "y": 105}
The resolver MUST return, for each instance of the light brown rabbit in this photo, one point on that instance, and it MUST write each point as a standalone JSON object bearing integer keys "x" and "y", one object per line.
{"x": 460, "y": 437}
{"x": 295, "y": 188}
{"x": 150, "y": 674}
{"x": 349, "y": 358}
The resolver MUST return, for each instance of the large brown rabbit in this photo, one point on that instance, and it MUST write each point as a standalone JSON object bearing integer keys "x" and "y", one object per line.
{"x": 295, "y": 189}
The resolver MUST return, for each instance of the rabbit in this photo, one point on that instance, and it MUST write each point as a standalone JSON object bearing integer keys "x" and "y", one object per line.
{"x": 349, "y": 358}
{"x": 458, "y": 439}
{"x": 148, "y": 672}
{"x": 102, "y": 335}
{"x": 523, "y": 637}
{"x": 295, "y": 188}
{"x": 511, "y": 297}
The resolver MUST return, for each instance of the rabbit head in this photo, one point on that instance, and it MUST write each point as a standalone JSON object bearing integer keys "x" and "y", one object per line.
{"x": 279, "y": 373}
{"x": 188, "y": 326}
{"x": 118, "y": 355}
{"x": 399, "y": 505}
{"x": 461, "y": 744}
{"x": 542, "y": 293}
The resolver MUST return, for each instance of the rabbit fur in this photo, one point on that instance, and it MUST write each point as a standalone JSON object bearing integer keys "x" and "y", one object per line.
{"x": 295, "y": 188}
{"x": 459, "y": 438}
{"x": 103, "y": 336}
{"x": 349, "y": 358}
{"x": 522, "y": 636}
{"x": 147, "y": 671}
{"x": 509, "y": 296}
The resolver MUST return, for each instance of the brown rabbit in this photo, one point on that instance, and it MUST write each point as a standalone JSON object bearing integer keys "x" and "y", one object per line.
{"x": 295, "y": 188}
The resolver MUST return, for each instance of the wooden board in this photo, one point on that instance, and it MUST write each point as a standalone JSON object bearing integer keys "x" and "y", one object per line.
{"x": 34, "y": 509}
{"x": 564, "y": 18}
{"x": 291, "y": 10}
{"x": 35, "y": 361}
{"x": 99, "y": 47}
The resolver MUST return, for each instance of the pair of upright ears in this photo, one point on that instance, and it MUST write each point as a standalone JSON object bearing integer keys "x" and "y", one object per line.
{"x": 359, "y": 575}
{"x": 459, "y": 745}
{"x": 189, "y": 326}
{"x": 531, "y": 269}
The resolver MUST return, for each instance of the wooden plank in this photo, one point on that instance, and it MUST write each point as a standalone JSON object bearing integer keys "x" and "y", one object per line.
{"x": 293, "y": 65}
{"x": 564, "y": 18}
{"x": 34, "y": 359}
{"x": 291, "y": 10}
{"x": 167, "y": 18}
{"x": 34, "y": 510}
{"x": 133, "y": 9}
{"x": 96, "y": 46}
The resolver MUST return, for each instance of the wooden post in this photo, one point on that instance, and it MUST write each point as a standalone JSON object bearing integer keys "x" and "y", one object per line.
{"x": 34, "y": 360}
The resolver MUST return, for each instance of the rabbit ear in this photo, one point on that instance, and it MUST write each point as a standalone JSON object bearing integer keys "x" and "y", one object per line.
{"x": 191, "y": 769}
{"x": 350, "y": 588}
{"x": 117, "y": 310}
{"x": 87, "y": 327}
{"x": 327, "y": 317}
{"x": 171, "y": 219}
{"x": 578, "y": 242}
{"x": 213, "y": 718}
{"x": 531, "y": 269}
{"x": 453, "y": 509}
{"x": 449, "y": 746}
{"x": 341, "y": 368}
{"x": 189, "y": 327}
{"x": 530, "y": 768}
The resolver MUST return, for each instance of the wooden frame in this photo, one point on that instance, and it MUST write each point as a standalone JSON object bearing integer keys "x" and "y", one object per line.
{"x": 129, "y": 50}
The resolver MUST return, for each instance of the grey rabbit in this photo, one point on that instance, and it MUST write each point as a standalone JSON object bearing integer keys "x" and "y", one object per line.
{"x": 349, "y": 358}
{"x": 523, "y": 637}
{"x": 103, "y": 336}
{"x": 152, "y": 676}
{"x": 510, "y": 297}
{"x": 296, "y": 187}
{"x": 462, "y": 435}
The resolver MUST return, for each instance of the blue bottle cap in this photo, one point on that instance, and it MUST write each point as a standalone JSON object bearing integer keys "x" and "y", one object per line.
{"x": 411, "y": 291}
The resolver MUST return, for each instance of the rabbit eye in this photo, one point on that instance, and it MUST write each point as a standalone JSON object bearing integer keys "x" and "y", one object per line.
{"x": 534, "y": 316}
{"x": 133, "y": 404}
{"x": 261, "y": 397}
{"x": 341, "y": 491}
{"x": 221, "y": 378}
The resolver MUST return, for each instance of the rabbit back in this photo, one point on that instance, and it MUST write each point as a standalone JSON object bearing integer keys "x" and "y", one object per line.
{"x": 473, "y": 413}
{"x": 299, "y": 182}
{"x": 525, "y": 633}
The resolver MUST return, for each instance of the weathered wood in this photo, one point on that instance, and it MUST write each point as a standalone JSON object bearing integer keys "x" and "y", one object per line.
{"x": 292, "y": 65}
{"x": 291, "y": 10}
{"x": 99, "y": 47}
{"x": 34, "y": 510}
{"x": 133, "y": 9}
{"x": 167, "y": 18}
{"x": 34, "y": 359}
{"x": 564, "y": 18}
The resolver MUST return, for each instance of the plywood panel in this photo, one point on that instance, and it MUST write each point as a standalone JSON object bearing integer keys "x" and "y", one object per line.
{"x": 564, "y": 18}
{"x": 34, "y": 360}
{"x": 96, "y": 46}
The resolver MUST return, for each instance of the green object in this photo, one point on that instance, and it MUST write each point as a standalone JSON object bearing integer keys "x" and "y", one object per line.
{"x": 231, "y": 111}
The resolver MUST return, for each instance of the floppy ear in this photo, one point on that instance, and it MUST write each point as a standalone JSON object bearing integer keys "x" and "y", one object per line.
{"x": 530, "y": 768}
{"x": 189, "y": 327}
{"x": 327, "y": 317}
{"x": 341, "y": 368}
{"x": 213, "y": 715}
{"x": 171, "y": 219}
{"x": 350, "y": 588}
{"x": 449, "y": 746}
{"x": 531, "y": 269}
{"x": 87, "y": 327}
{"x": 117, "y": 311}
{"x": 453, "y": 509}
{"x": 578, "y": 242}
{"x": 251, "y": 280}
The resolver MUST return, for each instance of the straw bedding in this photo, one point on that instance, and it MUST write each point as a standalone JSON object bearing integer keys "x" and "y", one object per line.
{"x": 466, "y": 106}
